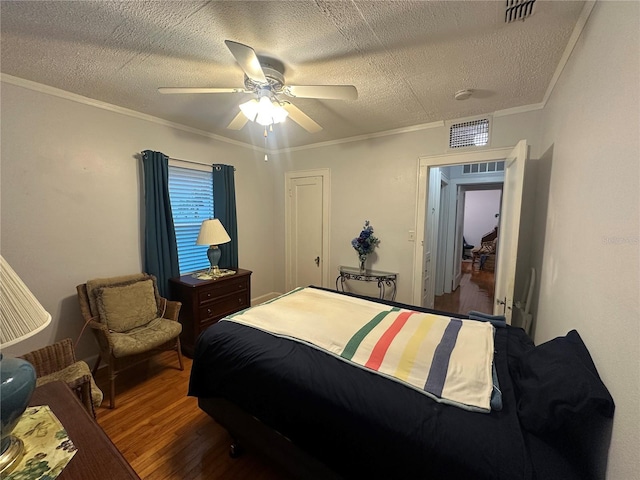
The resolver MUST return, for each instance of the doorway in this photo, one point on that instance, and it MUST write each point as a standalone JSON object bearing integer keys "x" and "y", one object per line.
{"x": 473, "y": 281}
{"x": 514, "y": 159}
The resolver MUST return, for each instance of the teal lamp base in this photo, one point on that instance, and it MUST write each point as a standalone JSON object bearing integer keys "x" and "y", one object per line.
{"x": 214, "y": 254}
{"x": 18, "y": 380}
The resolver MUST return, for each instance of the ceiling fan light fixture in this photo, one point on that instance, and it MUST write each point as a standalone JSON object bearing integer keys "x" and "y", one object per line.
{"x": 250, "y": 109}
{"x": 264, "y": 111}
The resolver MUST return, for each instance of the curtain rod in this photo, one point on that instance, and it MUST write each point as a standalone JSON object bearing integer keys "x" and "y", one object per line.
{"x": 195, "y": 163}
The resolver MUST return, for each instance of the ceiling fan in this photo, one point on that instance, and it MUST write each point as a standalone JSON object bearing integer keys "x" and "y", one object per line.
{"x": 267, "y": 82}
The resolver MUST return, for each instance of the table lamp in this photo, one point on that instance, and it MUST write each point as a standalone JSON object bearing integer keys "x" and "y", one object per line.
{"x": 212, "y": 233}
{"x": 21, "y": 316}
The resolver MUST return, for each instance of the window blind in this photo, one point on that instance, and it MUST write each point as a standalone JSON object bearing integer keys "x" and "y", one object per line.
{"x": 191, "y": 194}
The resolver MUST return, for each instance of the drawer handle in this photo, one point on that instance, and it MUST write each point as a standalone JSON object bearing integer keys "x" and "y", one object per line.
{"x": 240, "y": 301}
{"x": 209, "y": 311}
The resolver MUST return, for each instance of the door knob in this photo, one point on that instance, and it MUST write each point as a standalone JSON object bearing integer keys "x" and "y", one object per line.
{"x": 317, "y": 260}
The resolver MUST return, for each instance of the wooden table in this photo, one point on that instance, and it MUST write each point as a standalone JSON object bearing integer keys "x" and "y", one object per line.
{"x": 97, "y": 457}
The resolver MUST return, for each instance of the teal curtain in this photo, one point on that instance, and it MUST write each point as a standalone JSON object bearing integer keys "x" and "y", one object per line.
{"x": 160, "y": 246}
{"x": 224, "y": 209}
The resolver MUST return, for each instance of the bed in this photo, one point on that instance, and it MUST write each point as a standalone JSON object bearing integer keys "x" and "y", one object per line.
{"x": 324, "y": 417}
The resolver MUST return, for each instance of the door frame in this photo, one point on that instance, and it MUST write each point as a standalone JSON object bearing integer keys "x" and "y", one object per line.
{"x": 428, "y": 162}
{"x": 325, "y": 173}
{"x": 445, "y": 203}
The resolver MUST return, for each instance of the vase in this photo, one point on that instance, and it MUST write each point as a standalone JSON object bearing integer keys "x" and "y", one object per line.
{"x": 363, "y": 258}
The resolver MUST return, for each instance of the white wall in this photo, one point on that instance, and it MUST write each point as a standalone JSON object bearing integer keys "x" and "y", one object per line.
{"x": 71, "y": 200}
{"x": 480, "y": 209}
{"x": 376, "y": 179}
{"x": 587, "y": 246}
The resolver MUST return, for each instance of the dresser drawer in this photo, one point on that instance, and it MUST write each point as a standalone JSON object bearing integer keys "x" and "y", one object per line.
{"x": 221, "y": 307}
{"x": 215, "y": 291}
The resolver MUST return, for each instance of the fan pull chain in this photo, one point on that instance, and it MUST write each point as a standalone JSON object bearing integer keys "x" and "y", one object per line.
{"x": 265, "y": 144}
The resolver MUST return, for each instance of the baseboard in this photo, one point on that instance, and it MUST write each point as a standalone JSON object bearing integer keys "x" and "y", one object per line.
{"x": 264, "y": 298}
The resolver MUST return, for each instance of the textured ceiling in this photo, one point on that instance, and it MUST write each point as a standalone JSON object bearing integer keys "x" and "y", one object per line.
{"x": 406, "y": 59}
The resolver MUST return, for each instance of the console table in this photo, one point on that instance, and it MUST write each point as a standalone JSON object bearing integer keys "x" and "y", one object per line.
{"x": 385, "y": 280}
{"x": 97, "y": 457}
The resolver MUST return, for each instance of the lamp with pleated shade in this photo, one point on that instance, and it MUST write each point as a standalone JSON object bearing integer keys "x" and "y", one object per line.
{"x": 21, "y": 316}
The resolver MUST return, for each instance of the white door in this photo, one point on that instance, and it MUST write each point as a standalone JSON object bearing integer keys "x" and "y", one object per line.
{"x": 507, "y": 251}
{"x": 457, "y": 251}
{"x": 306, "y": 231}
{"x": 440, "y": 261}
{"x": 430, "y": 235}
{"x": 307, "y": 228}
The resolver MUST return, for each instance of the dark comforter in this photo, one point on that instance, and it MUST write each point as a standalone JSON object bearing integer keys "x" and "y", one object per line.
{"x": 361, "y": 424}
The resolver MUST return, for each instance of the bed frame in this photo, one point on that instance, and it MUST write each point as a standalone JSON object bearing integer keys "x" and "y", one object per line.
{"x": 249, "y": 432}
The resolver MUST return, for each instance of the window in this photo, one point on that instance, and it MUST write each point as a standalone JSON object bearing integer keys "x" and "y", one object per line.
{"x": 191, "y": 194}
{"x": 488, "y": 167}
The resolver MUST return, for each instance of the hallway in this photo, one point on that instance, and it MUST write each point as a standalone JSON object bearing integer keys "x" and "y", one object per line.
{"x": 475, "y": 292}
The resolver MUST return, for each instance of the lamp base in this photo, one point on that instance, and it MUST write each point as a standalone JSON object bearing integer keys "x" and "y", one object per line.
{"x": 214, "y": 254}
{"x": 12, "y": 451}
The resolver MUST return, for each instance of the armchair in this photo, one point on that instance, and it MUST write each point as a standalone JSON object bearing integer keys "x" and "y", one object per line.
{"x": 485, "y": 254}
{"x": 58, "y": 362}
{"x": 130, "y": 321}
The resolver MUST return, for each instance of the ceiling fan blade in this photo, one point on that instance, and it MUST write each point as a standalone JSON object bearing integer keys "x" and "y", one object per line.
{"x": 238, "y": 122}
{"x": 339, "y": 92}
{"x": 200, "y": 90}
{"x": 248, "y": 61}
{"x": 301, "y": 118}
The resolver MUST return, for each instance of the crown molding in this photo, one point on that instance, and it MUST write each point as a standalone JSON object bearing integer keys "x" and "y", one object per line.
{"x": 573, "y": 40}
{"x": 56, "y": 92}
{"x": 367, "y": 136}
{"x": 516, "y": 110}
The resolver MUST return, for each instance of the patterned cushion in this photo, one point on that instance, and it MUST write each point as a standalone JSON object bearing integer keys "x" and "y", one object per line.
{"x": 488, "y": 247}
{"x": 145, "y": 338}
{"x": 125, "y": 307}
{"x": 96, "y": 283}
{"x": 70, "y": 375}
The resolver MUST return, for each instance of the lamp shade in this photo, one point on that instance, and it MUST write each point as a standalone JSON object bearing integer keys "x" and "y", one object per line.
{"x": 212, "y": 233}
{"x": 21, "y": 315}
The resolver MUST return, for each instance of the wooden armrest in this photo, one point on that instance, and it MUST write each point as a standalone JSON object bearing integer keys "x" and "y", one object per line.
{"x": 79, "y": 381}
{"x": 172, "y": 309}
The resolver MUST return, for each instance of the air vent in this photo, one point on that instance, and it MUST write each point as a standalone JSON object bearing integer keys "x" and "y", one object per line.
{"x": 487, "y": 167}
{"x": 474, "y": 133}
{"x": 518, "y": 10}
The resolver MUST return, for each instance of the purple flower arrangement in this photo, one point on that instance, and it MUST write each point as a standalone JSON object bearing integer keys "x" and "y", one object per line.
{"x": 365, "y": 242}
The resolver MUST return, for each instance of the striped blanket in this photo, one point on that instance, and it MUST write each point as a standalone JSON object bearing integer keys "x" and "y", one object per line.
{"x": 445, "y": 358}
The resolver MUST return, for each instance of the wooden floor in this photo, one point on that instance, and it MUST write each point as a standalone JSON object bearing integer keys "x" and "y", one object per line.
{"x": 476, "y": 292}
{"x": 164, "y": 435}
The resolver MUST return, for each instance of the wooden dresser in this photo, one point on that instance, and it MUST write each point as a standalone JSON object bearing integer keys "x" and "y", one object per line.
{"x": 204, "y": 302}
